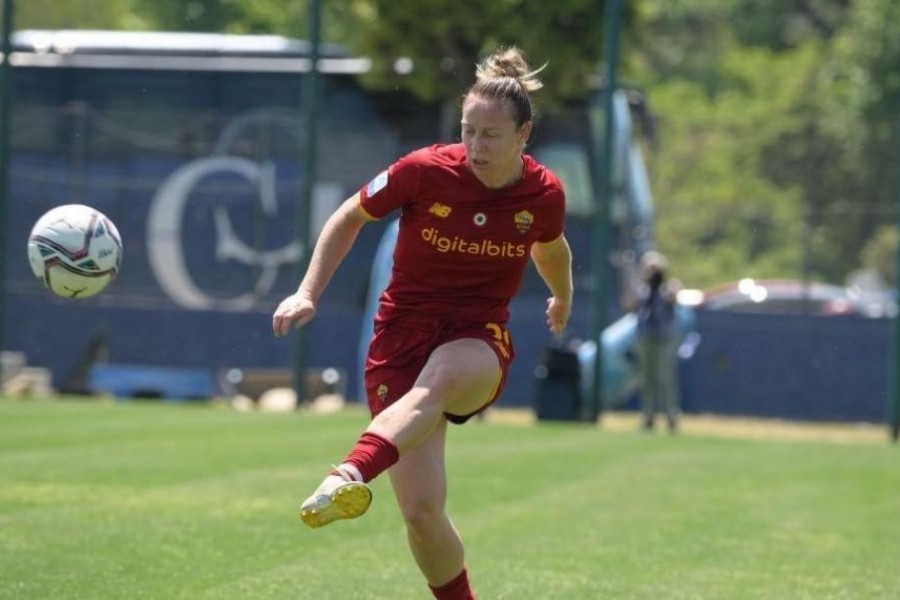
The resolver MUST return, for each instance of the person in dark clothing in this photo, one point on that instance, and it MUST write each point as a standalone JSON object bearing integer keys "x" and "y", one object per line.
{"x": 657, "y": 342}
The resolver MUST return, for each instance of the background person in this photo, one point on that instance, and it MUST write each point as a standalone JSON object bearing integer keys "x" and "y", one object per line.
{"x": 658, "y": 341}
{"x": 471, "y": 216}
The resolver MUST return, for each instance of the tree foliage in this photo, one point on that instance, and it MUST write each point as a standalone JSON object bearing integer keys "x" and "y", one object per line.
{"x": 446, "y": 39}
{"x": 777, "y": 120}
{"x": 74, "y": 14}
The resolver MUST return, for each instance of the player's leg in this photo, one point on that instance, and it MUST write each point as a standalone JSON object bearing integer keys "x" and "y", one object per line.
{"x": 460, "y": 377}
{"x": 420, "y": 485}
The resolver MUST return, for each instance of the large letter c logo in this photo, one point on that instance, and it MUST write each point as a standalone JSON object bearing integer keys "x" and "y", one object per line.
{"x": 164, "y": 248}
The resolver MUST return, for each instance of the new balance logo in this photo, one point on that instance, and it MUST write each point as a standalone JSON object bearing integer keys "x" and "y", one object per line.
{"x": 440, "y": 210}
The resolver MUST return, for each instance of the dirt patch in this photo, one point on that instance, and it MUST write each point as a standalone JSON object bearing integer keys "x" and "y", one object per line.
{"x": 719, "y": 426}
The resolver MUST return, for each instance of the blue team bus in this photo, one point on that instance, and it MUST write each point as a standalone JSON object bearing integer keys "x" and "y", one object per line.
{"x": 191, "y": 144}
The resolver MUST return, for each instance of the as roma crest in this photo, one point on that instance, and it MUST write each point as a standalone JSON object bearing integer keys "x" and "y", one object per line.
{"x": 524, "y": 220}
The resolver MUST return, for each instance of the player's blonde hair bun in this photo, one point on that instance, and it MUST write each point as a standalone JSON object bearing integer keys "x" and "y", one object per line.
{"x": 509, "y": 62}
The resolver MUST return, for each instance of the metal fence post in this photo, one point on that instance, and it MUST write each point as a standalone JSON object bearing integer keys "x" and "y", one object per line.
{"x": 894, "y": 367}
{"x": 304, "y": 226}
{"x": 5, "y": 110}
{"x": 600, "y": 250}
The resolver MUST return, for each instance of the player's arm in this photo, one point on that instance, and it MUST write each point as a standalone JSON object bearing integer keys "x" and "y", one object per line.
{"x": 554, "y": 264}
{"x": 337, "y": 238}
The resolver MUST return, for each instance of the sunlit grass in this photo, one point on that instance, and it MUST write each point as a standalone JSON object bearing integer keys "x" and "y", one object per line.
{"x": 104, "y": 500}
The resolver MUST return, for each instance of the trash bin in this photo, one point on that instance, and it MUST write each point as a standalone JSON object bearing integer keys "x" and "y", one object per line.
{"x": 558, "y": 392}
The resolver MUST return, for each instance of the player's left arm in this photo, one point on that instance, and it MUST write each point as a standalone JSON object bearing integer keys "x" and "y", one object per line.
{"x": 554, "y": 264}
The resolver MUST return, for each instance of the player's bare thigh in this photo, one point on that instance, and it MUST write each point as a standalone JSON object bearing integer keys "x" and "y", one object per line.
{"x": 459, "y": 377}
{"x": 463, "y": 374}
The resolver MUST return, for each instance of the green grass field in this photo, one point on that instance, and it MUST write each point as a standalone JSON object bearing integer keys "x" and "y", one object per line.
{"x": 130, "y": 501}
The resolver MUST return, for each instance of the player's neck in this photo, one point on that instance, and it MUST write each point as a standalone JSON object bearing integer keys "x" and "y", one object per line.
{"x": 506, "y": 179}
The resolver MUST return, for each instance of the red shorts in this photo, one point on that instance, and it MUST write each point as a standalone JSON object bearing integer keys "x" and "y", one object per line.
{"x": 400, "y": 348}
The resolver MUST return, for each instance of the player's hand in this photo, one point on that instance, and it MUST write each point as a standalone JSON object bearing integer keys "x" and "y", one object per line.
{"x": 558, "y": 312}
{"x": 296, "y": 310}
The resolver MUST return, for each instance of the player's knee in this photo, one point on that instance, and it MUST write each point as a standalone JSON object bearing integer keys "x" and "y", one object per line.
{"x": 423, "y": 515}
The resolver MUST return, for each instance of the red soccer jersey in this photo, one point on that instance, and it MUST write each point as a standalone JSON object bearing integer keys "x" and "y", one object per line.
{"x": 462, "y": 248}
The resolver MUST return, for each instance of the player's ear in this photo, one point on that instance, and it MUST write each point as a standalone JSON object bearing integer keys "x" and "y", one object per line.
{"x": 525, "y": 132}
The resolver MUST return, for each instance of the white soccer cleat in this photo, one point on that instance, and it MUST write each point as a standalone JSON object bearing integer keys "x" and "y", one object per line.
{"x": 336, "y": 498}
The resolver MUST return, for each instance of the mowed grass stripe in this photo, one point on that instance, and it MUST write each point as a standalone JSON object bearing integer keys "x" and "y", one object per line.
{"x": 101, "y": 500}
{"x": 188, "y": 498}
{"x": 736, "y": 507}
{"x": 714, "y": 512}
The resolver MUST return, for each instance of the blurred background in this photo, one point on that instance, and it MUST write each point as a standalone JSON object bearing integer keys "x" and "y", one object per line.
{"x": 754, "y": 142}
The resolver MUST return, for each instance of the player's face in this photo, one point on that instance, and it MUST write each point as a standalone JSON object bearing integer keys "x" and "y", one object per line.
{"x": 492, "y": 140}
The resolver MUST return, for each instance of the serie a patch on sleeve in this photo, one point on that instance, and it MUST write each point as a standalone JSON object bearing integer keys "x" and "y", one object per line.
{"x": 377, "y": 184}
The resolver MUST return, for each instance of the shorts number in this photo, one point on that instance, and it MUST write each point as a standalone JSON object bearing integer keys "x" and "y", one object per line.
{"x": 501, "y": 338}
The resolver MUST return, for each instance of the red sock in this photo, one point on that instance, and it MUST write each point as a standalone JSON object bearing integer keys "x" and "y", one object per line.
{"x": 372, "y": 455}
{"x": 455, "y": 589}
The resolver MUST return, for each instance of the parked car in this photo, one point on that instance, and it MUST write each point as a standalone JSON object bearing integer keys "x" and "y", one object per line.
{"x": 780, "y": 296}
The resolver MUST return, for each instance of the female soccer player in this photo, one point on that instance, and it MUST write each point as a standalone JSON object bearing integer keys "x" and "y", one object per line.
{"x": 471, "y": 214}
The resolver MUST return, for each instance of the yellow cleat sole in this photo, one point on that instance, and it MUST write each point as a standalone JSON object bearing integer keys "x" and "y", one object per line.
{"x": 349, "y": 501}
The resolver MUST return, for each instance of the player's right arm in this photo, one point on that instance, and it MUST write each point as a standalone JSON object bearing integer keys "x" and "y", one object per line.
{"x": 337, "y": 238}
{"x": 554, "y": 264}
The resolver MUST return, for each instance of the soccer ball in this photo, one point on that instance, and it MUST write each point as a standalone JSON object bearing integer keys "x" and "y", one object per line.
{"x": 75, "y": 251}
